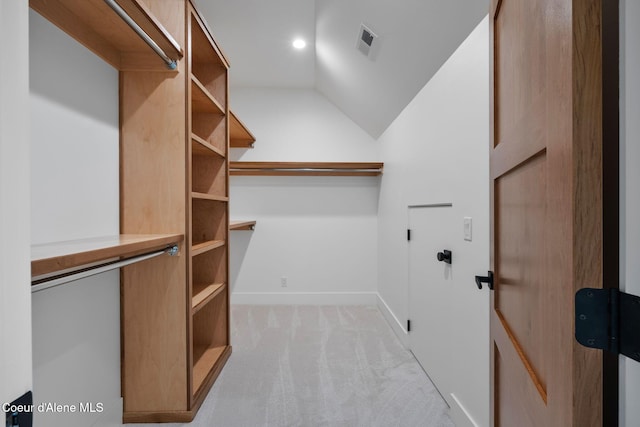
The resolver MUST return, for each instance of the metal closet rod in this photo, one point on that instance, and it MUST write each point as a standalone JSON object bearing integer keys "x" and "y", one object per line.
{"x": 43, "y": 284}
{"x": 171, "y": 64}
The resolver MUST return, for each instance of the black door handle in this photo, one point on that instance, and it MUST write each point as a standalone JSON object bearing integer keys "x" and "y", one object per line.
{"x": 445, "y": 256}
{"x": 488, "y": 279}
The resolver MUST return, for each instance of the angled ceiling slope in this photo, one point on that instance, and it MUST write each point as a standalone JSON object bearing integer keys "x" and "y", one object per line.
{"x": 414, "y": 39}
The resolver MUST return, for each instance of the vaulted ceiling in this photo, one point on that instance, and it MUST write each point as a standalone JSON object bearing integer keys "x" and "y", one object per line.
{"x": 415, "y": 37}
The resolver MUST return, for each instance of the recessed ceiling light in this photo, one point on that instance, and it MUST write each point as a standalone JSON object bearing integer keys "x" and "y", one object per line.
{"x": 299, "y": 44}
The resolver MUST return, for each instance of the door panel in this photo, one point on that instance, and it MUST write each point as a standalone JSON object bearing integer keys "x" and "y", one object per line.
{"x": 546, "y": 208}
{"x": 514, "y": 410}
{"x": 520, "y": 72}
{"x": 520, "y": 245}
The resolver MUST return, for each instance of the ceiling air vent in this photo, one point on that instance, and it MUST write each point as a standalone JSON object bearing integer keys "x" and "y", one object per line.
{"x": 367, "y": 41}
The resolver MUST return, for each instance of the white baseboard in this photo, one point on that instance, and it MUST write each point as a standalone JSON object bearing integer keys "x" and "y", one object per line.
{"x": 397, "y": 326}
{"x": 459, "y": 415}
{"x": 304, "y": 298}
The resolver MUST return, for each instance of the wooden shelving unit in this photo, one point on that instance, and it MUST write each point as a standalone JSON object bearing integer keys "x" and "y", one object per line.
{"x": 239, "y": 134}
{"x": 174, "y": 173}
{"x": 174, "y": 143}
{"x": 306, "y": 168}
{"x": 63, "y": 256}
{"x": 209, "y": 264}
{"x": 98, "y": 28}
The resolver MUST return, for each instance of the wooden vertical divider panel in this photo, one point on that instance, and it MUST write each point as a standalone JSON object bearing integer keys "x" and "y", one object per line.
{"x": 152, "y": 200}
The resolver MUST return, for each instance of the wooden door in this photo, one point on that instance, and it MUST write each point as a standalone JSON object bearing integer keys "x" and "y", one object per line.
{"x": 431, "y": 294}
{"x": 546, "y": 207}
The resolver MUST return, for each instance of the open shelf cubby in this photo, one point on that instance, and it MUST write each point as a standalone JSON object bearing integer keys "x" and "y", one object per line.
{"x": 209, "y": 267}
{"x": 203, "y": 101}
{"x": 210, "y": 128}
{"x": 209, "y": 221}
{"x": 207, "y": 65}
{"x": 210, "y": 338}
{"x": 208, "y": 175}
{"x": 201, "y": 147}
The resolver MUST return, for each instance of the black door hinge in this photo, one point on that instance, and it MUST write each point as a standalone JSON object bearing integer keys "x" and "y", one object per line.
{"x": 608, "y": 319}
{"x": 408, "y": 325}
{"x": 408, "y": 234}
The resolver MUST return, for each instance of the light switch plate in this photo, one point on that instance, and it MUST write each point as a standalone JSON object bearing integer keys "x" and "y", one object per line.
{"x": 467, "y": 228}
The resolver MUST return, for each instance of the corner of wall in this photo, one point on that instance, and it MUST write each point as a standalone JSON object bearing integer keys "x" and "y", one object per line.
{"x": 15, "y": 295}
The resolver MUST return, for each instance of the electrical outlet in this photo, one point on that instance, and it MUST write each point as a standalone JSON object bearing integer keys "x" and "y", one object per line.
{"x": 283, "y": 281}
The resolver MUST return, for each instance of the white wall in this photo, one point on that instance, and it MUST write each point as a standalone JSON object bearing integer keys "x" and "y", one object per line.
{"x": 74, "y": 194}
{"x": 15, "y": 297}
{"x": 437, "y": 151}
{"x": 629, "y": 191}
{"x": 319, "y": 232}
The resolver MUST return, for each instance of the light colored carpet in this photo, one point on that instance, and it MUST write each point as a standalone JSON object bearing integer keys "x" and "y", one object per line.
{"x": 319, "y": 366}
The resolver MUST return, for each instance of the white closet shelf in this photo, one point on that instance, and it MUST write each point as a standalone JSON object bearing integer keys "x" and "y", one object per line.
{"x": 60, "y": 256}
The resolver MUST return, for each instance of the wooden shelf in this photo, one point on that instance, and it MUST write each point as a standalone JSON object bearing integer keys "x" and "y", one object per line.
{"x": 202, "y": 247}
{"x": 202, "y": 100}
{"x": 58, "y": 256}
{"x": 200, "y": 147}
{"x": 305, "y": 168}
{"x": 96, "y": 26}
{"x": 239, "y": 135}
{"x": 242, "y": 225}
{"x": 204, "y": 358}
{"x": 213, "y": 197}
{"x": 203, "y": 293}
